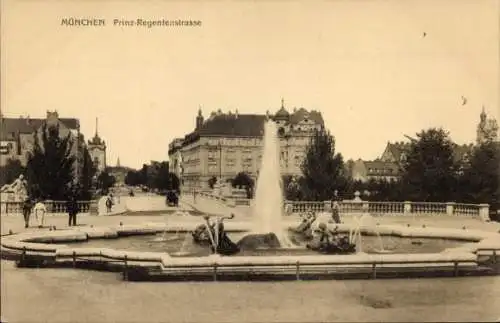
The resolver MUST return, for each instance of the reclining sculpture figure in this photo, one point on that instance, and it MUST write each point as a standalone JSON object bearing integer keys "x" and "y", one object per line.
{"x": 214, "y": 235}
{"x": 330, "y": 242}
{"x": 305, "y": 227}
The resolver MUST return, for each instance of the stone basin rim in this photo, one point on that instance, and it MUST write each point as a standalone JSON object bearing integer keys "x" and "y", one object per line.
{"x": 24, "y": 241}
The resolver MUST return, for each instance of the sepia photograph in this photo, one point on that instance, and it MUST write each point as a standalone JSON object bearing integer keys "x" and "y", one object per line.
{"x": 249, "y": 161}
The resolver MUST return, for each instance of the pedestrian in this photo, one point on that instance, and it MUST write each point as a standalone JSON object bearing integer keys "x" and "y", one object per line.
{"x": 109, "y": 203}
{"x": 40, "y": 211}
{"x": 335, "y": 211}
{"x": 72, "y": 209}
{"x": 27, "y": 207}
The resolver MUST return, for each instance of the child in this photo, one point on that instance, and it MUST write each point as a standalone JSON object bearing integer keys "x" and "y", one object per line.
{"x": 109, "y": 203}
{"x": 40, "y": 211}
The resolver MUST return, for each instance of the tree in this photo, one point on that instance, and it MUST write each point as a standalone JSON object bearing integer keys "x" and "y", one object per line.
{"x": 161, "y": 178}
{"x": 323, "y": 170}
{"x": 132, "y": 178}
{"x": 174, "y": 183}
{"x": 105, "y": 181}
{"x": 291, "y": 188}
{"x": 383, "y": 190}
{"x": 243, "y": 180}
{"x": 11, "y": 171}
{"x": 479, "y": 183}
{"x": 143, "y": 175}
{"x": 86, "y": 176}
{"x": 212, "y": 181}
{"x": 50, "y": 164}
{"x": 429, "y": 173}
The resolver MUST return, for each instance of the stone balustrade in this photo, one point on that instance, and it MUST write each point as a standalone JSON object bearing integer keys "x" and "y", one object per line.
{"x": 229, "y": 201}
{"x": 53, "y": 207}
{"x": 394, "y": 208}
{"x": 372, "y": 207}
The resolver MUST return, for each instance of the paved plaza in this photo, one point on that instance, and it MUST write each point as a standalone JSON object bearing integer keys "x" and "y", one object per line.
{"x": 66, "y": 295}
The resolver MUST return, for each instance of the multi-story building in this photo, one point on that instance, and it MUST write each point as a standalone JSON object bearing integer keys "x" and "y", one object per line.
{"x": 17, "y": 139}
{"x": 390, "y": 164}
{"x": 17, "y": 135}
{"x": 228, "y": 143}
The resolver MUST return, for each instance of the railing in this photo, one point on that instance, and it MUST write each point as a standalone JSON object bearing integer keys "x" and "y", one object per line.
{"x": 53, "y": 207}
{"x": 394, "y": 208}
{"x": 466, "y": 209}
{"x": 372, "y": 207}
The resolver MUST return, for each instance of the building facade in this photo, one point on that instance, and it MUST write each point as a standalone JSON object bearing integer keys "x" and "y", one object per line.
{"x": 17, "y": 135}
{"x": 226, "y": 144}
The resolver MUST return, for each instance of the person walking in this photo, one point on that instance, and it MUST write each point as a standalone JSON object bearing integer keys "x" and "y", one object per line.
{"x": 72, "y": 209}
{"x": 40, "y": 209}
{"x": 109, "y": 203}
{"x": 27, "y": 207}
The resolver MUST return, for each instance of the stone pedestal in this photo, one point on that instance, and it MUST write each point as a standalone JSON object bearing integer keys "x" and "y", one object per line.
{"x": 407, "y": 207}
{"x": 450, "y": 208}
{"x": 484, "y": 210}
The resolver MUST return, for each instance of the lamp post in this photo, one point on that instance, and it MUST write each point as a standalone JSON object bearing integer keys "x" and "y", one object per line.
{"x": 219, "y": 145}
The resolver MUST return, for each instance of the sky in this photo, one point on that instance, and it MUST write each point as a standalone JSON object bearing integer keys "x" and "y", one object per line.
{"x": 366, "y": 65}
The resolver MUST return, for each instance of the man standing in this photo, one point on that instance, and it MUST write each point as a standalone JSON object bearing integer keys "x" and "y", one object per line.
{"x": 40, "y": 211}
{"x": 27, "y": 206}
{"x": 72, "y": 209}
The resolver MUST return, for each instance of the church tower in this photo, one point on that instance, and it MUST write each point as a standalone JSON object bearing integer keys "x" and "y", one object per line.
{"x": 97, "y": 150}
{"x": 199, "y": 119}
{"x": 487, "y": 129}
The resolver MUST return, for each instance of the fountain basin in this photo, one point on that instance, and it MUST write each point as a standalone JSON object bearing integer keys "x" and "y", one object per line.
{"x": 289, "y": 264}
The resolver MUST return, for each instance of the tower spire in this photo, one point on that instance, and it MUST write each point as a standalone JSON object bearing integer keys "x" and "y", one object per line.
{"x": 483, "y": 114}
{"x": 282, "y": 103}
{"x": 96, "y": 127}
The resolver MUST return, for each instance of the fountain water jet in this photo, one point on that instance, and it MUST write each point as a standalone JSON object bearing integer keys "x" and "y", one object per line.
{"x": 268, "y": 203}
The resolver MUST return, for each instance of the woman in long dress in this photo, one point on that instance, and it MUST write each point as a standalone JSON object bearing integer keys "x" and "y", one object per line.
{"x": 40, "y": 209}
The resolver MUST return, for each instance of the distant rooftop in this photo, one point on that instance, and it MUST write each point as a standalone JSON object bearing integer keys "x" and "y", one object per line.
{"x": 9, "y": 127}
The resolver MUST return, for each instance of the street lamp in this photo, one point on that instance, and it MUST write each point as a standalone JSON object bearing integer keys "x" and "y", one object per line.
{"x": 219, "y": 145}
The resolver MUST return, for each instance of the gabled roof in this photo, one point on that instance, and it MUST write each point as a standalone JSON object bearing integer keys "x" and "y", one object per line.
{"x": 11, "y": 126}
{"x": 300, "y": 114}
{"x": 397, "y": 148}
{"x": 242, "y": 125}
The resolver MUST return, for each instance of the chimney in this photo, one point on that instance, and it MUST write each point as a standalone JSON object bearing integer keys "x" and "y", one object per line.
{"x": 236, "y": 113}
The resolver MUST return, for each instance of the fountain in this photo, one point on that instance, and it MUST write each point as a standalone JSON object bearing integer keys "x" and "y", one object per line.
{"x": 355, "y": 234}
{"x": 268, "y": 208}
